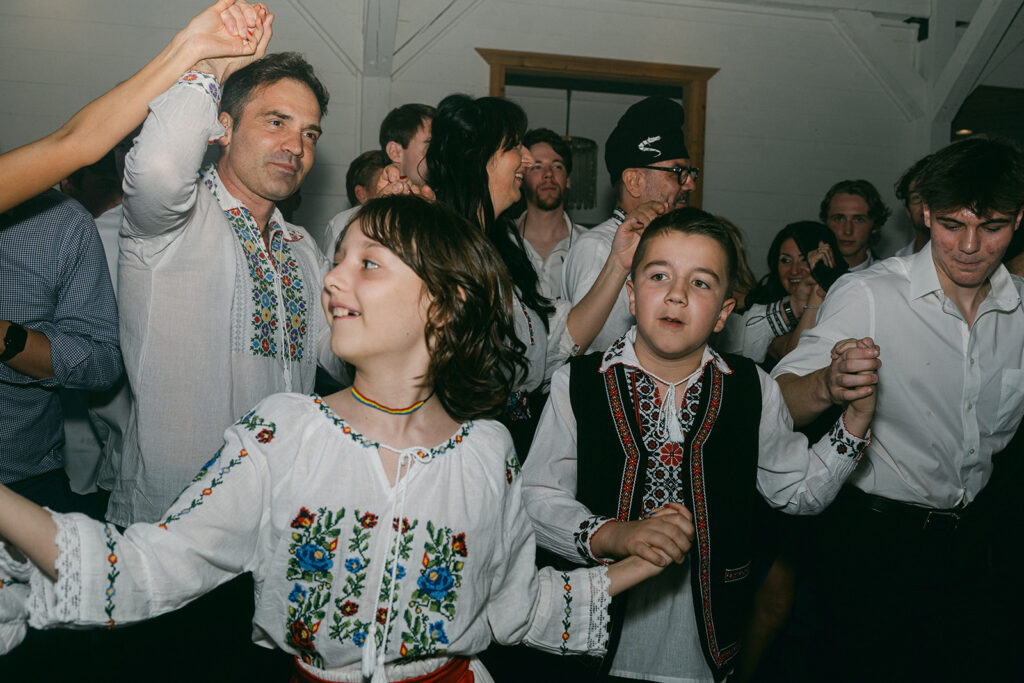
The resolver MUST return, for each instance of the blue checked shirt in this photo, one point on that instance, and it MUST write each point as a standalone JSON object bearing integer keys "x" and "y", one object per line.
{"x": 53, "y": 279}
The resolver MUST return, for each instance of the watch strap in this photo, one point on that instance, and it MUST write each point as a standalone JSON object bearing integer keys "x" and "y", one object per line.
{"x": 14, "y": 341}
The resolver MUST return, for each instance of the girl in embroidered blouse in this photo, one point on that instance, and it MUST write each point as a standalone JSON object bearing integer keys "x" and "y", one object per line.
{"x": 383, "y": 524}
{"x": 475, "y": 164}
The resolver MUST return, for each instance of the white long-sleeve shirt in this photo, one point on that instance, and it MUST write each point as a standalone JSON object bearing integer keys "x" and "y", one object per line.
{"x": 431, "y": 567}
{"x": 659, "y": 641}
{"x": 210, "y": 320}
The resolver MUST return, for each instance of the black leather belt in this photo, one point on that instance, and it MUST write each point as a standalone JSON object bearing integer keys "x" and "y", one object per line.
{"x": 906, "y": 514}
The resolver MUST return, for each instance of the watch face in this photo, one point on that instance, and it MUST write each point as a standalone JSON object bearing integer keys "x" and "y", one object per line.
{"x": 14, "y": 341}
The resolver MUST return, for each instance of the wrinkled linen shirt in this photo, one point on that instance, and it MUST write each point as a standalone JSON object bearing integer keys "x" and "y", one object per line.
{"x": 211, "y": 320}
{"x": 351, "y": 573}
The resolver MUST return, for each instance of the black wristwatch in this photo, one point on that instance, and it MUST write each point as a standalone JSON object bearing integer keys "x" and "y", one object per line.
{"x": 14, "y": 342}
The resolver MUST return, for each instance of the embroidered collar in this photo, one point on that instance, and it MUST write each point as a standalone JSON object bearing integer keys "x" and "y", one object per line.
{"x": 211, "y": 179}
{"x": 622, "y": 352}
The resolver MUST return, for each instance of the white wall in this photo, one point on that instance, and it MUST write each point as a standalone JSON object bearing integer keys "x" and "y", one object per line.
{"x": 791, "y": 111}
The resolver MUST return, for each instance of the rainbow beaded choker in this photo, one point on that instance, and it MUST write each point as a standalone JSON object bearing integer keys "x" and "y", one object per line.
{"x": 383, "y": 408}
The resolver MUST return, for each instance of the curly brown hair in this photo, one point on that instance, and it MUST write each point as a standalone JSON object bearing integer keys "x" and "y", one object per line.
{"x": 475, "y": 357}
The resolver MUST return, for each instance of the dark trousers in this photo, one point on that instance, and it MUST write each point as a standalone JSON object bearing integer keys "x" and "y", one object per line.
{"x": 903, "y": 601}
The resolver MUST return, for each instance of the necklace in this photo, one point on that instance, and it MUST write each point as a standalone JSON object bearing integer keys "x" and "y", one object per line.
{"x": 383, "y": 408}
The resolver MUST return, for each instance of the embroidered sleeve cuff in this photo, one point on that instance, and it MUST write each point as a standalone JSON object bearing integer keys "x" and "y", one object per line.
{"x": 204, "y": 82}
{"x": 777, "y": 318}
{"x": 845, "y": 442}
{"x": 585, "y": 533}
{"x": 572, "y": 612}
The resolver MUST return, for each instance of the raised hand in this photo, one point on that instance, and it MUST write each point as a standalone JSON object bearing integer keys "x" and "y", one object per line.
{"x": 628, "y": 234}
{"x": 852, "y": 373}
{"x": 392, "y": 181}
{"x": 228, "y": 35}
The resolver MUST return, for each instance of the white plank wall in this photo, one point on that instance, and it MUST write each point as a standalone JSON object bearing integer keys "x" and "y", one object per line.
{"x": 792, "y": 110}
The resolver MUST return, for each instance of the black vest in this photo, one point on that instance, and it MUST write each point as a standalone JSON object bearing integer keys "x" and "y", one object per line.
{"x": 720, "y": 457}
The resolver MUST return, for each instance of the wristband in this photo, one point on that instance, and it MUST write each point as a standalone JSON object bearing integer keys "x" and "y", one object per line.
{"x": 790, "y": 316}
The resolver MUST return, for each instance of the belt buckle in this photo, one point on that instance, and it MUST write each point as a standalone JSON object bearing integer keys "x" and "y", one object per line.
{"x": 941, "y": 520}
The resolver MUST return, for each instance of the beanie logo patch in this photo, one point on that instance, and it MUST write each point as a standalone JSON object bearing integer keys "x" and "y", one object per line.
{"x": 644, "y": 145}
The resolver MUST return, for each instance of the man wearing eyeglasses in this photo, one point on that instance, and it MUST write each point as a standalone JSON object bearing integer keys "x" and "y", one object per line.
{"x": 906, "y": 192}
{"x": 650, "y": 172}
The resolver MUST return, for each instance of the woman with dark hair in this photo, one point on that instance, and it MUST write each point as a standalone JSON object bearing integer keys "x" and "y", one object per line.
{"x": 785, "y": 301}
{"x": 475, "y": 164}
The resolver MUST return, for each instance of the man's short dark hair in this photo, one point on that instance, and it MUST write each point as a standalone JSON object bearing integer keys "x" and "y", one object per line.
{"x": 402, "y": 123}
{"x": 902, "y": 187}
{"x": 546, "y": 135}
{"x": 267, "y": 71}
{"x": 878, "y": 212}
{"x": 982, "y": 175}
{"x": 361, "y": 171}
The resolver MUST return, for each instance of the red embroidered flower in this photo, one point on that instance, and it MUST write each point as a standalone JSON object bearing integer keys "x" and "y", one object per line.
{"x": 405, "y": 524}
{"x": 459, "y": 544}
{"x": 671, "y": 454}
{"x": 368, "y": 520}
{"x": 265, "y": 436}
{"x": 302, "y": 637}
{"x": 303, "y": 520}
{"x": 382, "y": 615}
{"x": 349, "y": 608}
{"x": 189, "y": 77}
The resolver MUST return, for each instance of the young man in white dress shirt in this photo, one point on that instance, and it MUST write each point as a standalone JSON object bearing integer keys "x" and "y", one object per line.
{"x": 903, "y": 553}
{"x": 855, "y": 212}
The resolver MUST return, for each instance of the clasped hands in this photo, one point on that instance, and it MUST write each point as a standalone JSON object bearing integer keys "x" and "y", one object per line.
{"x": 660, "y": 539}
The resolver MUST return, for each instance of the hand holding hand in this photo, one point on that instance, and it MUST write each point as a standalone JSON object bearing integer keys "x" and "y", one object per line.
{"x": 853, "y": 371}
{"x": 861, "y": 410}
{"x": 229, "y": 35}
{"x": 660, "y": 539}
{"x": 628, "y": 233}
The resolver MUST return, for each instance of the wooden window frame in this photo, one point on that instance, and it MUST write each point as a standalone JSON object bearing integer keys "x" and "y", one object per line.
{"x": 692, "y": 81}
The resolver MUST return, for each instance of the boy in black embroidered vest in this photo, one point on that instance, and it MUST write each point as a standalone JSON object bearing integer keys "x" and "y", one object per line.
{"x": 606, "y": 457}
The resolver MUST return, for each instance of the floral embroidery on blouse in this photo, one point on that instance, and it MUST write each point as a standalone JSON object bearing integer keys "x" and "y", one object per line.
{"x": 313, "y": 542}
{"x": 583, "y": 535}
{"x": 402, "y": 550}
{"x": 421, "y": 455}
{"x": 512, "y": 468}
{"x": 112, "y": 574}
{"x": 567, "y": 618}
{"x": 203, "y": 81}
{"x": 443, "y": 561}
{"x": 345, "y": 625}
{"x": 845, "y": 443}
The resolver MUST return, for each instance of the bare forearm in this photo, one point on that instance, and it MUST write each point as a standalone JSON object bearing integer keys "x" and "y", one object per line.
{"x": 806, "y": 397}
{"x": 627, "y": 573}
{"x": 28, "y": 529}
{"x": 588, "y": 316}
{"x": 34, "y": 360}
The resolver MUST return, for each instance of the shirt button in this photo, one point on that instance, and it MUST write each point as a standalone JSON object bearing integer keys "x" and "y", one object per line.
{"x": 969, "y": 406}
{"x": 972, "y": 361}
{"x": 970, "y": 452}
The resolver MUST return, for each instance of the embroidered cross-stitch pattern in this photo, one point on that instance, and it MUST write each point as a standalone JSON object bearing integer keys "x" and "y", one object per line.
{"x": 437, "y": 590}
{"x": 314, "y": 540}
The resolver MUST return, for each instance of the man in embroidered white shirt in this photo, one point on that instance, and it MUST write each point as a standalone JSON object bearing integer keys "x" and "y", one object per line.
{"x": 904, "y": 575}
{"x": 219, "y": 295}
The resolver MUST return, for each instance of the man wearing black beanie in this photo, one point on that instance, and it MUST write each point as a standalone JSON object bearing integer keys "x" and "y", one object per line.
{"x": 650, "y": 172}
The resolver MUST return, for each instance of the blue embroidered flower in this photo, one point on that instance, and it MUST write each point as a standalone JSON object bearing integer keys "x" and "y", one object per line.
{"x": 436, "y": 582}
{"x": 298, "y": 594}
{"x": 359, "y": 638}
{"x": 400, "y": 574}
{"x": 313, "y": 558}
{"x": 437, "y": 632}
{"x": 353, "y": 564}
